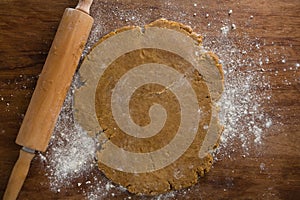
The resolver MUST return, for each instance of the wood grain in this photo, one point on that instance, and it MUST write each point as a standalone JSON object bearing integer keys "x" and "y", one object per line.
{"x": 28, "y": 28}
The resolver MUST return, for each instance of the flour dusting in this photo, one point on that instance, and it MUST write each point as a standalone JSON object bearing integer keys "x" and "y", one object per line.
{"x": 246, "y": 89}
{"x": 72, "y": 150}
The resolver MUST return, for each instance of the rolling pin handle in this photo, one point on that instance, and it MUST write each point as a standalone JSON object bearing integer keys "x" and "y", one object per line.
{"x": 84, "y": 5}
{"x": 18, "y": 174}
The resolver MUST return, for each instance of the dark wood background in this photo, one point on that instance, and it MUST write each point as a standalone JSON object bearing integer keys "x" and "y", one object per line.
{"x": 27, "y": 28}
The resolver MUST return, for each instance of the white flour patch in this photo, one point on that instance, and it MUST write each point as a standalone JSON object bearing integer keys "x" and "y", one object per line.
{"x": 246, "y": 89}
{"x": 72, "y": 151}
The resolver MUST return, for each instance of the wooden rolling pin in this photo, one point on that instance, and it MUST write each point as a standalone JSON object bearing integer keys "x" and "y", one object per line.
{"x": 50, "y": 92}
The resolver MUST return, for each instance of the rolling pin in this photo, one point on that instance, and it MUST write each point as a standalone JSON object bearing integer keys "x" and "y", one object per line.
{"x": 51, "y": 90}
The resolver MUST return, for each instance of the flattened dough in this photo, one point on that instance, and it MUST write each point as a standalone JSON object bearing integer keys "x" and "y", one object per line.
{"x": 149, "y": 96}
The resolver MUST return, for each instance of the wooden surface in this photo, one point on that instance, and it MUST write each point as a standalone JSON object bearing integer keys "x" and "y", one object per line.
{"x": 27, "y": 29}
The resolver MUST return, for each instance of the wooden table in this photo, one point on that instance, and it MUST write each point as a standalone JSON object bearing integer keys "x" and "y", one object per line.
{"x": 27, "y": 28}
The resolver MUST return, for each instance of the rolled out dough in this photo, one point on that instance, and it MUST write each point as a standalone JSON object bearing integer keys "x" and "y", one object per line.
{"x": 149, "y": 96}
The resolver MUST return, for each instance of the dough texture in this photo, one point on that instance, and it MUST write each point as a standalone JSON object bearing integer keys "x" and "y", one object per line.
{"x": 149, "y": 96}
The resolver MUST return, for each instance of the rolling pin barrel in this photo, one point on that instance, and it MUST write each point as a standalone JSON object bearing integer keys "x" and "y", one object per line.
{"x": 55, "y": 79}
{"x": 51, "y": 90}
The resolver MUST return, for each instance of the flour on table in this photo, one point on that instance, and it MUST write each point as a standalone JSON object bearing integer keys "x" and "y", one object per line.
{"x": 72, "y": 150}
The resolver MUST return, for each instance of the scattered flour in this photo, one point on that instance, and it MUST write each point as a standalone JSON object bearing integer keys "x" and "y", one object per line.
{"x": 246, "y": 89}
{"x": 72, "y": 152}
